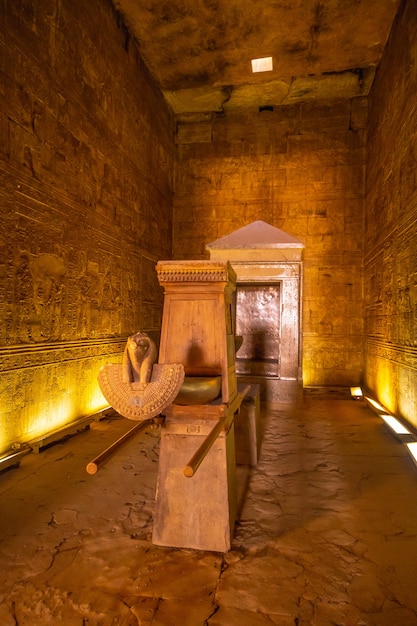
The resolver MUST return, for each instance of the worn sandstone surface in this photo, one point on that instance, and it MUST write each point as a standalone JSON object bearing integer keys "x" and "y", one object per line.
{"x": 301, "y": 169}
{"x": 325, "y": 532}
{"x": 391, "y": 225}
{"x": 200, "y": 51}
{"x": 85, "y": 206}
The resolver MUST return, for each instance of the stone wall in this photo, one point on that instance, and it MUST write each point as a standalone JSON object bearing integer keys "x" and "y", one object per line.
{"x": 301, "y": 169}
{"x": 86, "y": 167}
{"x": 391, "y": 224}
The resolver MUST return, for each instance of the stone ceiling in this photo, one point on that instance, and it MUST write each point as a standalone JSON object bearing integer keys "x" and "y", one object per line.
{"x": 200, "y": 51}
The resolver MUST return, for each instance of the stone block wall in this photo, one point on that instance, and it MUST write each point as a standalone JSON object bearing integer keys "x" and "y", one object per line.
{"x": 391, "y": 224}
{"x": 86, "y": 171}
{"x": 301, "y": 169}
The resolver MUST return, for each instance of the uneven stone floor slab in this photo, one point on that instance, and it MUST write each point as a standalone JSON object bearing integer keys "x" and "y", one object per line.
{"x": 326, "y": 532}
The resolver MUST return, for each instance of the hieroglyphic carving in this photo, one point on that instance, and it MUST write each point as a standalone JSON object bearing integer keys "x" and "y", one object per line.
{"x": 86, "y": 285}
{"x": 58, "y": 296}
{"x": 406, "y": 293}
{"x": 71, "y": 391}
{"x": 258, "y": 313}
{"x": 66, "y": 284}
{"x": 403, "y": 356}
{"x": 39, "y": 295}
{"x": 91, "y": 292}
{"x": 23, "y": 356}
{"x": 391, "y": 292}
{"x": 151, "y": 297}
{"x": 23, "y": 295}
{"x": 6, "y": 257}
{"x": 75, "y": 221}
{"x": 47, "y": 273}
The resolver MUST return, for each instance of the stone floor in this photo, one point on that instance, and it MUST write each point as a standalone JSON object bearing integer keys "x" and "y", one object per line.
{"x": 326, "y": 535}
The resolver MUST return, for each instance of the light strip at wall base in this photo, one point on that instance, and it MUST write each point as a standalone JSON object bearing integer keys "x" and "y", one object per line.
{"x": 412, "y": 450}
{"x": 374, "y": 405}
{"x": 396, "y": 427}
{"x": 13, "y": 457}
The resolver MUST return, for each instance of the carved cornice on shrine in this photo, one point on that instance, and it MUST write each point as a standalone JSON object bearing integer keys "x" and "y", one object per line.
{"x": 195, "y": 271}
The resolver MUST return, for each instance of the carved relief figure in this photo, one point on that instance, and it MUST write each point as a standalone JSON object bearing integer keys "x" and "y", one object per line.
{"x": 414, "y": 307}
{"x": 40, "y": 290}
{"x": 24, "y": 291}
{"x": 48, "y": 271}
{"x": 111, "y": 302}
{"x": 91, "y": 296}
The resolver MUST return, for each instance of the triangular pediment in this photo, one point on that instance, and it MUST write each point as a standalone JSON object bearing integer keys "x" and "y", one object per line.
{"x": 258, "y": 234}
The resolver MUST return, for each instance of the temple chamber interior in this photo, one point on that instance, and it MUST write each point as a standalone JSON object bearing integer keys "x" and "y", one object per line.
{"x": 232, "y": 188}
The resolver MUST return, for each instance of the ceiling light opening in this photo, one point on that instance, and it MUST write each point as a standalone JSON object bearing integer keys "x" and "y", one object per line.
{"x": 262, "y": 65}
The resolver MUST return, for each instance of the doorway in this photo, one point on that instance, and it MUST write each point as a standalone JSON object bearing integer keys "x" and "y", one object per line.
{"x": 258, "y": 322}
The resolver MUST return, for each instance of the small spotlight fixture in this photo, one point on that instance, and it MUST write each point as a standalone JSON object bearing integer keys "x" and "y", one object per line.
{"x": 262, "y": 65}
{"x": 356, "y": 393}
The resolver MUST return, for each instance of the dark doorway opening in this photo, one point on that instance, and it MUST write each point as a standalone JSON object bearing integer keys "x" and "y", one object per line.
{"x": 258, "y": 321}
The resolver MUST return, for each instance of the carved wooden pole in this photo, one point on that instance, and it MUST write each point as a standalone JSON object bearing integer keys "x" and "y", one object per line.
{"x": 223, "y": 424}
{"x": 195, "y": 462}
{"x": 95, "y": 464}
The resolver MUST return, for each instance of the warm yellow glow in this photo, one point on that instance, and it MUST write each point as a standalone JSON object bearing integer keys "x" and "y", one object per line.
{"x": 4, "y": 441}
{"x": 51, "y": 420}
{"x": 385, "y": 384}
{"x": 412, "y": 449}
{"x": 375, "y": 404}
{"x": 95, "y": 401}
{"x": 356, "y": 392}
{"x": 48, "y": 398}
{"x": 395, "y": 425}
{"x": 64, "y": 412}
